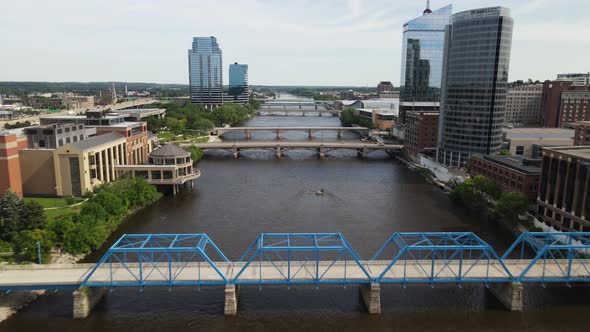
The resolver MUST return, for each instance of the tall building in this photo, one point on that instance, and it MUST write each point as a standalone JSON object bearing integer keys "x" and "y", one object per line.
{"x": 10, "y": 176}
{"x": 422, "y": 59}
{"x": 475, "y": 79}
{"x": 205, "y": 72}
{"x": 523, "y": 106}
{"x": 239, "y": 90}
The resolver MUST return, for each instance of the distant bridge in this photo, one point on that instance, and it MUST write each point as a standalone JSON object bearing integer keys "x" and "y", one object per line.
{"x": 278, "y": 130}
{"x": 301, "y": 112}
{"x": 321, "y": 148}
{"x": 168, "y": 260}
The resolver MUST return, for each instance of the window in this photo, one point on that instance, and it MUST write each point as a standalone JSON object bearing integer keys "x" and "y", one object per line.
{"x": 68, "y": 140}
{"x": 519, "y": 150}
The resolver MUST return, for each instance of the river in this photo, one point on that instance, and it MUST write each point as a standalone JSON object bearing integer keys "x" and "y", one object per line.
{"x": 366, "y": 200}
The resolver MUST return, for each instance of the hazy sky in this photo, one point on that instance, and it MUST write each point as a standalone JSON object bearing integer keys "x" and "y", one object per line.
{"x": 285, "y": 42}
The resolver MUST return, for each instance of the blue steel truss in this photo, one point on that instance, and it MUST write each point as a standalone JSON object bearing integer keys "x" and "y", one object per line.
{"x": 140, "y": 260}
{"x": 551, "y": 257}
{"x": 300, "y": 258}
{"x": 438, "y": 258}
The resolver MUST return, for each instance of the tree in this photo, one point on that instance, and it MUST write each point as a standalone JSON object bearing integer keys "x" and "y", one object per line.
{"x": 196, "y": 153}
{"x": 25, "y": 244}
{"x": 31, "y": 216}
{"x": 10, "y": 207}
{"x": 510, "y": 205}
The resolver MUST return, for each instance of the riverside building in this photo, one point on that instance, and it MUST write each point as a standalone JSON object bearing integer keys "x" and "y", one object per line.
{"x": 239, "y": 92}
{"x": 205, "y": 72}
{"x": 475, "y": 77}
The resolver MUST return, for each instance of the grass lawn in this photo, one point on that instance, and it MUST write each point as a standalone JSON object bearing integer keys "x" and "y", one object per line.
{"x": 51, "y": 202}
{"x": 53, "y": 214}
{"x": 167, "y": 136}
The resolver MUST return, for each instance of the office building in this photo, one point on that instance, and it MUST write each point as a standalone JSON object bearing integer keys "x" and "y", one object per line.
{"x": 421, "y": 132}
{"x": 422, "y": 60}
{"x": 53, "y": 136}
{"x": 205, "y": 72}
{"x": 10, "y": 176}
{"x": 510, "y": 173}
{"x": 582, "y": 133}
{"x": 564, "y": 202}
{"x": 383, "y": 119}
{"x": 523, "y": 106}
{"x": 385, "y": 90}
{"x": 475, "y": 79}
{"x": 576, "y": 79}
{"x": 239, "y": 91}
{"x": 574, "y": 106}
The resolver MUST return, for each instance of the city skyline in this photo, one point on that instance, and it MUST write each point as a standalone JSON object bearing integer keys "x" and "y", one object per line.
{"x": 344, "y": 43}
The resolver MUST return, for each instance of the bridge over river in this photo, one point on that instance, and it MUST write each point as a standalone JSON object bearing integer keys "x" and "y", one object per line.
{"x": 278, "y": 130}
{"x": 321, "y": 148}
{"x": 169, "y": 260}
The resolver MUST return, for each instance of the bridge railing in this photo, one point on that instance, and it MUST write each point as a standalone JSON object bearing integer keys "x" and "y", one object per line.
{"x": 438, "y": 258}
{"x": 160, "y": 260}
{"x": 300, "y": 258}
{"x": 551, "y": 257}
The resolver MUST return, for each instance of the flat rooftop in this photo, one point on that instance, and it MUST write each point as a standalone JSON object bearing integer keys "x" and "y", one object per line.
{"x": 574, "y": 151}
{"x": 513, "y": 162}
{"x": 539, "y": 133}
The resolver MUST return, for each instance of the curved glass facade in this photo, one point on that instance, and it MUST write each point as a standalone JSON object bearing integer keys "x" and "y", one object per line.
{"x": 475, "y": 77}
{"x": 205, "y": 72}
{"x": 422, "y": 56}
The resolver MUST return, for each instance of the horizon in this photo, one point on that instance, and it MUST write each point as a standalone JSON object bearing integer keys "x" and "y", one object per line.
{"x": 308, "y": 43}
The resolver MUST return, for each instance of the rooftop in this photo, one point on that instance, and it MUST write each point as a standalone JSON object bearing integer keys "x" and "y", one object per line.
{"x": 574, "y": 151}
{"x": 97, "y": 141}
{"x": 539, "y": 133}
{"x": 516, "y": 163}
{"x": 169, "y": 150}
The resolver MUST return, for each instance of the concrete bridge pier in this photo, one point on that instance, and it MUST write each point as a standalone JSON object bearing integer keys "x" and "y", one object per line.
{"x": 278, "y": 131}
{"x": 371, "y": 294}
{"x": 235, "y": 152}
{"x": 248, "y": 136}
{"x": 279, "y": 152}
{"x": 363, "y": 153}
{"x": 322, "y": 152}
{"x": 510, "y": 295}
{"x": 85, "y": 299}
{"x": 309, "y": 134}
{"x": 231, "y": 300}
{"x": 339, "y": 130}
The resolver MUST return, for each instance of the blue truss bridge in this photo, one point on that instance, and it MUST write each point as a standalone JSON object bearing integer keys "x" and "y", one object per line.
{"x": 169, "y": 260}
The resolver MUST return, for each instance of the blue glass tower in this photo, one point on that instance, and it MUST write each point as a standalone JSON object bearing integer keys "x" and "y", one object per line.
{"x": 238, "y": 83}
{"x": 422, "y": 56}
{"x": 205, "y": 72}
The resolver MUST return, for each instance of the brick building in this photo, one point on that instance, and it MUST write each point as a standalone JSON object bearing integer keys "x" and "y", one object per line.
{"x": 421, "y": 133}
{"x": 582, "y": 133}
{"x": 10, "y": 178}
{"x": 563, "y": 201}
{"x": 511, "y": 173}
{"x": 574, "y": 106}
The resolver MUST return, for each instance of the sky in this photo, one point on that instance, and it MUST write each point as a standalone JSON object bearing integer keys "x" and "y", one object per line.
{"x": 284, "y": 42}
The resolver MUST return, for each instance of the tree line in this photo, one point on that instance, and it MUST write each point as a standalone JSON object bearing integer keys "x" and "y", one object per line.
{"x": 348, "y": 118}
{"x": 23, "y": 223}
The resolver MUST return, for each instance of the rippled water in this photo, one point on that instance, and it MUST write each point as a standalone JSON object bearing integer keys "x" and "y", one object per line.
{"x": 366, "y": 200}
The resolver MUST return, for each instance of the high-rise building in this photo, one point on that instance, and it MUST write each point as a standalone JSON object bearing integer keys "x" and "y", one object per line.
{"x": 205, "y": 72}
{"x": 422, "y": 56}
{"x": 238, "y": 83}
{"x": 475, "y": 79}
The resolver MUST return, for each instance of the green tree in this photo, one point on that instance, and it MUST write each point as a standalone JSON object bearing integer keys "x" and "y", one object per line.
{"x": 10, "y": 207}
{"x": 196, "y": 153}
{"x": 510, "y": 205}
{"x": 31, "y": 216}
{"x": 25, "y": 244}
{"x": 111, "y": 203}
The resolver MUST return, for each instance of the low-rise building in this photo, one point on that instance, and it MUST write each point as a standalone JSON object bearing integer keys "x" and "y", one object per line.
{"x": 138, "y": 144}
{"x": 169, "y": 166}
{"x": 528, "y": 142}
{"x": 523, "y": 106}
{"x": 383, "y": 119}
{"x": 416, "y": 106}
{"x": 55, "y": 135}
{"x": 511, "y": 173}
{"x": 81, "y": 166}
{"x": 582, "y": 133}
{"x": 10, "y": 173}
{"x": 421, "y": 132}
{"x": 577, "y": 79}
{"x": 563, "y": 201}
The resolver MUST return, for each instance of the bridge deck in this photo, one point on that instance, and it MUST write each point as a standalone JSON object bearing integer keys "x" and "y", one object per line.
{"x": 264, "y": 144}
{"x": 72, "y": 275}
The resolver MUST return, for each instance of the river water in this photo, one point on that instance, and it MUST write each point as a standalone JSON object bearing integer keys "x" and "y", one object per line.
{"x": 366, "y": 200}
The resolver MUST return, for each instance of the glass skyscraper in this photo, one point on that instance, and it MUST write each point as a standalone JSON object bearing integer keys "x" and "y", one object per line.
{"x": 422, "y": 56}
{"x": 205, "y": 72}
{"x": 475, "y": 77}
{"x": 238, "y": 82}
